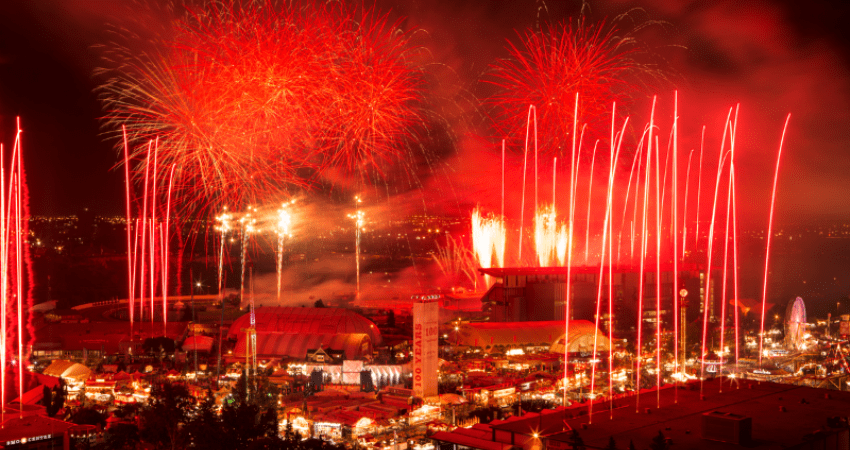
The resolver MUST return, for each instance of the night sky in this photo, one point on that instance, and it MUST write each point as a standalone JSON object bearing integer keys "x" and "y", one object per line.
{"x": 774, "y": 58}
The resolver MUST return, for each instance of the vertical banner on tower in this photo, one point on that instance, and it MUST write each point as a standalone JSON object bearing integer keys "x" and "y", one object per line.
{"x": 425, "y": 343}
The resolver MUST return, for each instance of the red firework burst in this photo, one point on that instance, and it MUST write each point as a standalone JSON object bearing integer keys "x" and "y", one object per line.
{"x": 376, "y": 97}
{"x": 548, "y": 68}
{"x": 247, "y": 98}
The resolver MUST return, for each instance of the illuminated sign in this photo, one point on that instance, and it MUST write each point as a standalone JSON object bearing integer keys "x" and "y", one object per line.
{"x": 42, "y": 437}
{"x": 425, "y": 343}
{"x": 504, "y": 392}
{"x": 761, "y": 372}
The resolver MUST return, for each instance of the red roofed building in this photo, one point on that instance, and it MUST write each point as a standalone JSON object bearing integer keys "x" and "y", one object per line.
{"x": 291, "y": 332}
{"x": 35, "y": 432}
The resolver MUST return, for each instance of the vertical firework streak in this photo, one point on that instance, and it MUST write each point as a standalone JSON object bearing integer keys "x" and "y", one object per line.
{"x": 130, "y": 254}
{"x": 724, "y": 284}
{"x": 282, "y": 229}
{"x": 735, "y": 262}
{"x": 643, "y": 242}
{"x": 769, "y": 235}
{"x": 358, "y": 224}
{"x": 570, "y": 225}
{"x": 699, "y": 188}
{"x": 18, "y": 273}
{"x": 164, "y": 238}
{"x": 531, "y": 109}
{"x": 675, "y": 239}
{"x": 223, "y": 228}
{"x": 4, "y": 285}
{"x": 658, "y": 208}
{"x": 589, "y": 201}
{"x": 626, "y": 198}
{"x": 144, "y": 236}
{"x": 723, "y": 296}
{"x": 706, "y": 301}
{"x": 14, "y": 255}
{"x": 609, "y": 198}
{"x": 153, "y": 251}
{"x": 247, "y": 228}
{"x": 685, "y": 212}
{"x": 502, "y": 212}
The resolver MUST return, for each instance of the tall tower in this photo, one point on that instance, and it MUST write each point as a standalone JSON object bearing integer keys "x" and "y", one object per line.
{"x": 425, "y": 346}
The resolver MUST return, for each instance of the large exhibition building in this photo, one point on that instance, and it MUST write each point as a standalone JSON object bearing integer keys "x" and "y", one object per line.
{"x": 293, "y": 332}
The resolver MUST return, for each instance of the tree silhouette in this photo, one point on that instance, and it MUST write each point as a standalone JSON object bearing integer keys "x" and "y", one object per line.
{"x": 659, "y": 442}
{"x": 168, "y": 411}
{"x": 575, "y": 441}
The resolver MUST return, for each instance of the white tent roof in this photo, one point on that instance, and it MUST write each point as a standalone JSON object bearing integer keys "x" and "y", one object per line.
{"x": 581, "y": 339}
{"x": 67, "y": 369}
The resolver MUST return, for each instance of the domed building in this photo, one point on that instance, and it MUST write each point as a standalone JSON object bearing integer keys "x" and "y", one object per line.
{"x": 292, "y": 332}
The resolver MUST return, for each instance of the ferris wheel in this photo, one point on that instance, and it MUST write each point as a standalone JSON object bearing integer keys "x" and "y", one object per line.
{"x": 795, "y": 324}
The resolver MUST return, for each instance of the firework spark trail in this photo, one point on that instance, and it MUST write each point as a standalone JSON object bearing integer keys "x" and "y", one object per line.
{"x": 14, "y": 254}
{"x": 721, "y": 161}
{"x": 223, "y": 228}
{"x": 144, "y": 235}
{"x": 722, "y": 351}
{"x": 611, "y": 279}
{"x": 609, "y": 199}
{"x": 164, "y": 237}
{"x": 769, "y": 234}
{"x": 4, "y": 286}
{"x": 643, "y": 242}
{"x": 455, "y": 260}
{"x": 699, "y": 187}
{"x": 136, "y": 233}
{"x": 153, "y": 250}
{"x": 685, "y": 213}
{"x": 502, "y": 212}
{"x": 658, "y": 212}
{"x": 570, "y": 224}
{"x": 19, "y": 275}
{"x": 246, "y": 223}
{"x": 729, "y": 214}
{"x": 675, "y": 214}
{"x": 531, "y": 109}
{"x": 589, "y": 201}
{"x": 626, "y": 198}
{"x": 735, "y": 261}
{"x": 130, "y": 253}
{"x": 358, "y": 226}
{"x": 284, "y": 221}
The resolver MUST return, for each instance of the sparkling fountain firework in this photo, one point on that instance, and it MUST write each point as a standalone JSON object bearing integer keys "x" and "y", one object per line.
{"x": 488, "y": 240}
{"x": 282, "y": 227}
{"x": 358, "y": 218}
{"x": 550, "y": 237}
